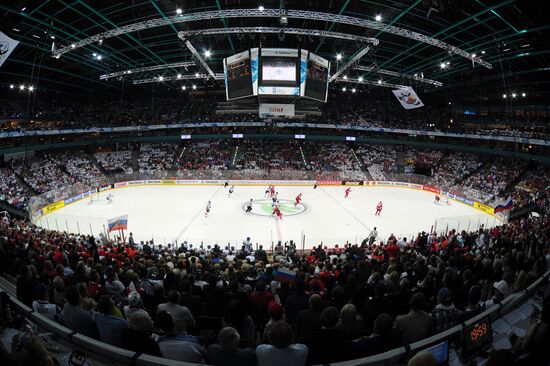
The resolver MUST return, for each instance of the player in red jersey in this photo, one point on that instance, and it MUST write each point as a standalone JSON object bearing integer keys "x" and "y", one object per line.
{"x": 378, "y": 209}
{"x": 298, "y": 199}
{"x": 348, "y": 190}
{"x": 277, "y": 212}
{"x": 437, "y": 199}
{"x": 272, "y": 191}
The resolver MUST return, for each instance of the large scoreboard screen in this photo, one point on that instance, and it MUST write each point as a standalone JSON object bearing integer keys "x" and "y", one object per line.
{"x": 276, "y": 73}
{"x": 316, "y": 78}
{"x": 239, "y": 79}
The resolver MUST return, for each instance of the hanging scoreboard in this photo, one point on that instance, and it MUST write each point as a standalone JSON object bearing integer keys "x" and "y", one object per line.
{"x": 276, "y": 72}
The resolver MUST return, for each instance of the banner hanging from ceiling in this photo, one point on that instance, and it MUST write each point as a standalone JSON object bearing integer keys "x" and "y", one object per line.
{"x": 408, "y": 98}
{"x": 7, "y": 45}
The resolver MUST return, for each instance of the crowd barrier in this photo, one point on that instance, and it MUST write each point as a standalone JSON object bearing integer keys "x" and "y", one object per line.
{"x": 121, "y": 356}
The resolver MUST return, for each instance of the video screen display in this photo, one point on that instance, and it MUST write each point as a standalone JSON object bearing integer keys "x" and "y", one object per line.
{"x": 239, "y": 79}
{"x": 278, "y": 70}
{"x": 316, "y": 81}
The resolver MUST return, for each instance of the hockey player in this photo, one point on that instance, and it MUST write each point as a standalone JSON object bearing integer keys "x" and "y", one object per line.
{"x": 378, "y": 209}
{"x": 249, "y": 206}
{"x": 274, "y": 198}
{"x": 277, "y": 211}
{"x": 447, "y": 201}
{"x": 208, "y": 207}
{"x": 109, "y": 198}
{"x": 298, "y": 199}
{"x": 437, "y": 199}
{"x": 226, "y": 184}
{"x": 272, "y": 191}
{"x": 315, "y": 185}
{"x": 231, "y": 189}
{"x": 348, "y": 190}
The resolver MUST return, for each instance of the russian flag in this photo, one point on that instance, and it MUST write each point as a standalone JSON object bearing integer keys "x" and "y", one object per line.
{"x": 505, "y": 207}
{"x": 284, "y": 275}
{"x": 118, "y": 223}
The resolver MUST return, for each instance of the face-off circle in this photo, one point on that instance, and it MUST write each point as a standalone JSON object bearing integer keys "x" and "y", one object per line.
{"x": 263, "y": 207}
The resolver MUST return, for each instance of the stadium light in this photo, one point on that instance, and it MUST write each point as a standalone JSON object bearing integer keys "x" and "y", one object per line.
{"x": 344, "y": 89}
{"x": 98, "y": 57}
{"x": 474, "y": 55}
{"x": 161, "y": 78}
{"x": 194, "y": 87}
{"x": 261, "y": 8}
{"x": 443, "y": 65}
{"x": 11, "y": 86}
{"x": 94, "y": 54}
{"x": 31, "y": 88}
{"x": 380, "y": 81}
{"x": 345, "y": 77}
{"x": 378, "y": 18}
{"x": 504, "y": 96}
{"x": 21, "y": 87}
{"x": 482, "y": 52}
{"x": 339, "y": 56}
{"x": 353, "y": 90}
{"x": 360, "y": 79}
{"x": 183, "y": 87}
{"x": 513, "y": 95}
{"x": 523, "y": 95}
{"x": 73, "y": 46}
{"x": 179, "y": 11}
{"x": 179, "y": 76}
{"x": 52, "y": 37}
{"x": 207, "y": 53}
{"x": 197, "y": 74}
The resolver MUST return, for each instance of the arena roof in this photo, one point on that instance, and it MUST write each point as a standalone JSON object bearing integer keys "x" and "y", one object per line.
{"x": 509, "y": 36}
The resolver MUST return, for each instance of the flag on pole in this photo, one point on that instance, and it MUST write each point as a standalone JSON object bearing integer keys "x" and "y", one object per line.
{"x": 408, "y": 98}
{"x": 118, "y": 223}
{"x": 506, "y": 207}
{"x": 7, "y": 45}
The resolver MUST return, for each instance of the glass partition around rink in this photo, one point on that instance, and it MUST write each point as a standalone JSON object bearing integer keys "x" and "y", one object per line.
{"x": 82, "y": 209}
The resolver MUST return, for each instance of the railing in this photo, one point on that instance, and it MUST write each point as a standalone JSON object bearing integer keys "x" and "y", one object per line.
{"x": 124, "y": 357}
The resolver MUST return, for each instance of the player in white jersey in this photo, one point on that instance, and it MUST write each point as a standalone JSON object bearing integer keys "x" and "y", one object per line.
{"x": 208, "y": 207}
{"x": 109, "y": 198}
{"x": 231, "y": 189}
{"x": 274, "y": 199}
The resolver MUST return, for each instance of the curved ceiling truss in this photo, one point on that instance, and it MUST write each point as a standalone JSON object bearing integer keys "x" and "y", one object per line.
{"x": 272, "y": 13}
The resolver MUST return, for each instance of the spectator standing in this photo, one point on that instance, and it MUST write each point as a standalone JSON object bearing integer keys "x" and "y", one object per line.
{"x": 416, "y": 324}
{"x": 181, "y": 314}
{"x": 281, "y": 350}
{"x": 227, "y": 352}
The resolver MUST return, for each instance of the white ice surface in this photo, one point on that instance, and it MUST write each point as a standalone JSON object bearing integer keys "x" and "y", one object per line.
{"x": 169, "y": 213}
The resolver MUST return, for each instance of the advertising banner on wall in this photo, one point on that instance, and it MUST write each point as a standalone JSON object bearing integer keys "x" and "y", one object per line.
{"x": 274, "y": 110}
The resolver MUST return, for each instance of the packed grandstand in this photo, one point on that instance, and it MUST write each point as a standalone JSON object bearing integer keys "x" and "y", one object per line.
{"x": 109, "y": 110}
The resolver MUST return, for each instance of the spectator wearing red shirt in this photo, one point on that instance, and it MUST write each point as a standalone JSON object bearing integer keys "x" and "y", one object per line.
{"x": 392, "y": 249}
{"x": 260, "y": 297}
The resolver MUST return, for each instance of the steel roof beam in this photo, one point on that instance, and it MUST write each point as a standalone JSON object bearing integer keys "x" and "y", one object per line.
{"x": 273, "y": 13}
{"x": 198, "y": 57}
{"x": 362, "y": 52}
{"x": 276, "y": 30}
{"x": 145, "y": 69}
{"x": 371, "y": 82}
{"x": 399, "y": 74}
{"x": 175, "y": 78}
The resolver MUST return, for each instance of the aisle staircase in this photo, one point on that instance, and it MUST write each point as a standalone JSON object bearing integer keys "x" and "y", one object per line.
{"x": 400, "y": 161}
{"x": 134, "y": 160}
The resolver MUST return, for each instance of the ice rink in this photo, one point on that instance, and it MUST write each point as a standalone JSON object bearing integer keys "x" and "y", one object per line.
{"x": 176, "y": 213}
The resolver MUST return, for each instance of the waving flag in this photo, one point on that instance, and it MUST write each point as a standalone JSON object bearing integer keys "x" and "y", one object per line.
{"x": 7, "y": 45}
{"x": 284, "y": 275}
{"x": 508, "y": 206}
{"x": 408, "y": 98}
{"x": 118, "y": 223}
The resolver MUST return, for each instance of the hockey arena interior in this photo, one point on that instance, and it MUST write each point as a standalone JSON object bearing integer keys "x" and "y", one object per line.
{"x": 267, "y": 183}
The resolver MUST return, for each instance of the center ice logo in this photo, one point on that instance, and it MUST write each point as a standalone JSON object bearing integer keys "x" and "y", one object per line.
{"x": 263, "y": 207}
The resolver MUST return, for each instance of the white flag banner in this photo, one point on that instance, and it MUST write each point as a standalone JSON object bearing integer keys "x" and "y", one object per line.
{"x": 7, "y": 45}
{"x": 408, "y": 98}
